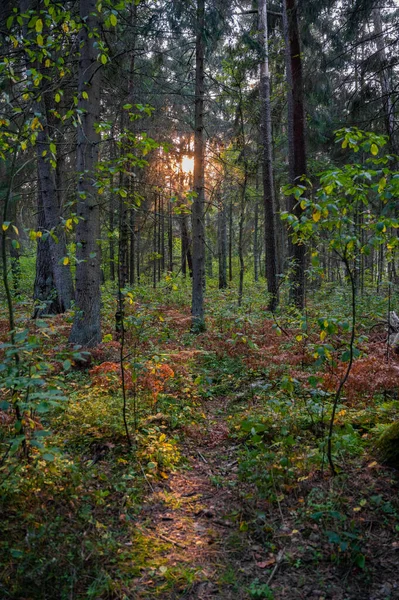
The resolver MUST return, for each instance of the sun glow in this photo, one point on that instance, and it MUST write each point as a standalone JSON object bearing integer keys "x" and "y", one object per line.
{"x": 187, "y": 164}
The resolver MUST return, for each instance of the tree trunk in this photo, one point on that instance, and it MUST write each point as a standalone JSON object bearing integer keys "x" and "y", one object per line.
{"x": 198, "y": 233}
{"x": 241, "y": 240}
{"x": 222, "y": 242}
{"x": 86, "y": 329}
{"x": 296, "y": 137}
{"x": 44, "y": 292}
{"x": 209, "y": 253}
{"x": 231, "y": 241}
{"x": 256, "y": 253}
{"x": 49, "y": 206}
{"x": 170, "y": 235}
{"x": 132, "y": 247}
{"x": 267, "y": 147}
{"x": 154, "y": 245}
{"x": 50, "y": 203}
{"x": 111, "y": 238}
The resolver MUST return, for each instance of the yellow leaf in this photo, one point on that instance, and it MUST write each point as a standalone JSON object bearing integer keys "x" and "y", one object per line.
{"x": 85, "y": 95}
{"x": 5, "y": 226}
{"x": 40, "y": 41}
{"x": 316, "y": 216}
{"x": 162, "y": 437}
{"x": 303, "y": 204}
{"x": 65, "y": 261}
{"x": 372, "y": 464}
{"x": 381, "y": 184}
{"x": 113, "y": 20}
{"x": 299, "y": 338}
{"x": 323, "y": 335}
{"x": 47, "y": 62}
{"x": 65, "y": 27}
{"x": 164, "y": 475}
{"x": 374, "y": 149}
{"x": 39, "y": 26}
{"x": 57, "y": 97}
{"x": 344, "y": 143}
{"x": 328, "y": 189}
{"x": 39, "y": 234}
{"x": 23, "y": 145}
{"x": 69, "y": 223}
{"x": 357, "y": 508}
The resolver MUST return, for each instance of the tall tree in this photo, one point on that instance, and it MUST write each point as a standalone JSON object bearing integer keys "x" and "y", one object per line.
{"x": 60, "y": 296}
{"x": 267, "y": 159}
{"x": 86, "y": 329}
{"x": 198, "y": 230}
{"x": 296, "y": 137}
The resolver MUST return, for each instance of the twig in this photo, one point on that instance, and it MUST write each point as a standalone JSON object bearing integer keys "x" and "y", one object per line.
{"x": 166, "y": 539}
{"x": 279, "y": 560}
{"x": 202, "y": 457}
{"x": 146, "y": 478}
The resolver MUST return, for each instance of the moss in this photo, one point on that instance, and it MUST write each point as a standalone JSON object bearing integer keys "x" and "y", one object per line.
{"x": 388, "y": 445}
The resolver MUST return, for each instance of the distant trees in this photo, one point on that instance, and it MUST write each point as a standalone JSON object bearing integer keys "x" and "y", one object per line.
{"x": 102, "y": 106}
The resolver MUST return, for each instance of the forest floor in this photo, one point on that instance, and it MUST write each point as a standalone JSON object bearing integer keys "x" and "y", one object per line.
{"x": 227, "y": 492}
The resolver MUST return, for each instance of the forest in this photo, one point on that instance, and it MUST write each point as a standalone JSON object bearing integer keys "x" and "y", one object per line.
{"x": 199, "y": 299}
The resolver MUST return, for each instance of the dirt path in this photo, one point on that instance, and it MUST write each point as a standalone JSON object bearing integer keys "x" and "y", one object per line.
{"x": 194, "y": 513}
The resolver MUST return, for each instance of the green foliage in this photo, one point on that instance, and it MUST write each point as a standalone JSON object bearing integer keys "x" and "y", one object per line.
{"x": 258, "y": 590}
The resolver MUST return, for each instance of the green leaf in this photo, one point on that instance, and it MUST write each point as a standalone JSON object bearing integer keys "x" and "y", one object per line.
{"x": 39, "y": 26}
{"x": 113, "y": 20}
{"x": 48, "y": 457}
{"x": 374, "y": 149}
{"x": 66, "y": 365}
{"x": 360, "y": 561}
{"x": 103, "y": 59}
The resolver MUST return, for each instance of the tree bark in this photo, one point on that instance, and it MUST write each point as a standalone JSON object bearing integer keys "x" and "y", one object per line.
{"x": 296, "y": 137}
{"x": 198, "y": 231}
{"x": 222, "y": 242}
{"x": 209, "y": 252}
{"x": 256, "y": 253}
{"x": 267, "y": 147}
{"x": 50, "y": 203}
{"x": 49, "y": 207}
{"x": 44, "y": 291}
{"x": 86, "y": 329}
